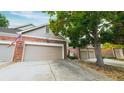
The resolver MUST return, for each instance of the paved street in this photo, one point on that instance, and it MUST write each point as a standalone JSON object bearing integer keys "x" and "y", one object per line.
{"x": 49, "y": 70}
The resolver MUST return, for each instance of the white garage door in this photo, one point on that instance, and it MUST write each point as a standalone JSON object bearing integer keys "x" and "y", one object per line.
{"x": 87, "y": 54}
{"x": 84, "y": 55}
{"x": 39, "y": 53}
{"x": 91, "y": 54}
{"x": 6, "y": 53}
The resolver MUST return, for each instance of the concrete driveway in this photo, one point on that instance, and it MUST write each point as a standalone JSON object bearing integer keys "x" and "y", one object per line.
{"x": 4, "y": 64}
{"x": 49, "y": 70}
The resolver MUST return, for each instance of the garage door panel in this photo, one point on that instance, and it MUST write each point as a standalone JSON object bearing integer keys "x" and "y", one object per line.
{"x": 38, "y": 53}
{"x": 87, "y": 54}
{"x": 6, "y": 53}
{"x": 84, "y": 55}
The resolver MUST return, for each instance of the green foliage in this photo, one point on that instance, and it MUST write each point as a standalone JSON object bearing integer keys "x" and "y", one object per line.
{"x": 107, "y": 36}
{"x": 107, "y": 46}
{"x": 69, "y": 24}
{"x": 89, "y": 27}
{"x": 118, "y": 27}
{"x": 72, "y": 57}
{"x": 110, "y": 46}
{"x": 3, "y": 21}
{"x": 80, "y": 27}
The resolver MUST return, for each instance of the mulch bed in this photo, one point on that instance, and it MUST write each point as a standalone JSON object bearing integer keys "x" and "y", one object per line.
{"x": 116, "y": 73}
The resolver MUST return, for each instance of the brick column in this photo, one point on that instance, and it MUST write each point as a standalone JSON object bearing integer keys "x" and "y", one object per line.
{"x": 18, "y": 51}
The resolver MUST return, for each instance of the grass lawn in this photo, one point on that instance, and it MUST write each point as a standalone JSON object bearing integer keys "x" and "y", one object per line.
{"x": 116, "y": 73}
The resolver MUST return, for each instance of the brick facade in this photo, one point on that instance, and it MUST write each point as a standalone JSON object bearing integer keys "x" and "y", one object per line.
{"x": 18, "y": 53}
{"x": 7, "y": 38}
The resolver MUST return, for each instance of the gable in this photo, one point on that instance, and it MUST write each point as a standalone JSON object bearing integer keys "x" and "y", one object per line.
{"x": 39, "y": 32}
{"x": 8, "y": 30}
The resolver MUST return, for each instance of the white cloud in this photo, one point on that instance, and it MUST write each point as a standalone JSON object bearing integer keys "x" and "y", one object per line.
{"x": 29, "y": 14}
{"x": 35, "y": 18}
{"x": 15, "y": 23}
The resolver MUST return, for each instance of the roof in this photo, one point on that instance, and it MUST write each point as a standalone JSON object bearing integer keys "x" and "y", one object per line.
{"x": 34, "y": 28}
{"x": 16, "y": 31}
{"x": 8, "y": 34}
{"x": 23, "y": 26}
{"x": 8, "y": 30}
{"x": 46, "y": 35}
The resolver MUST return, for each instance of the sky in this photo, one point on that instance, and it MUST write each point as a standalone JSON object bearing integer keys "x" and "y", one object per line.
{"x": 18, "y": 18}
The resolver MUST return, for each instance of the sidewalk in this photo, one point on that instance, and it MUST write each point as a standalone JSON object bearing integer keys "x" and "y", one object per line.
{"x": 112, "y": 62}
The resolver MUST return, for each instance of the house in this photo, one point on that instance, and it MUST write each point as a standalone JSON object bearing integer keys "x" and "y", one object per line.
{"x": 118, "y": 53}
{"x": 108, "y": 53}
{"x": 37, "y": 43}
{"x": 89, "y": 53}
{"x": 82, "y": 53}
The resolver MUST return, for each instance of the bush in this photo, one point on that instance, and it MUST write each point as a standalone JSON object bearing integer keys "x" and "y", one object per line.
{"x": 72, "y": 57}
{"x": 109, "y": 57}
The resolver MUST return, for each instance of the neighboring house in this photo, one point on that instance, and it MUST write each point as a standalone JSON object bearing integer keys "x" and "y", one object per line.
{"x": 118, "y": 53}
{"x": 109, "y": 53}
{"x": 82, "y": 53}
{"x": 38, "y": 43}
{"x": 74, "y": 52}
{"x": 89, "y": 53}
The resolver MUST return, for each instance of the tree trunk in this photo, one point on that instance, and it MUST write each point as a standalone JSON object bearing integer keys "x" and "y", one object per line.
{"x": 98, "y": 53}
{"x": 79, "y": 54}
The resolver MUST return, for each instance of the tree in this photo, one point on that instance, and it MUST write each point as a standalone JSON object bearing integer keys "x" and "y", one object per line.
{"x": 66, "y": 25}
{"x": 97, "y": 24}
{"x": 117, "y": 20}
{"x": 3, "y": 21}
{"x": 110, "y": 46}
{"x": 81, "y": 28}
